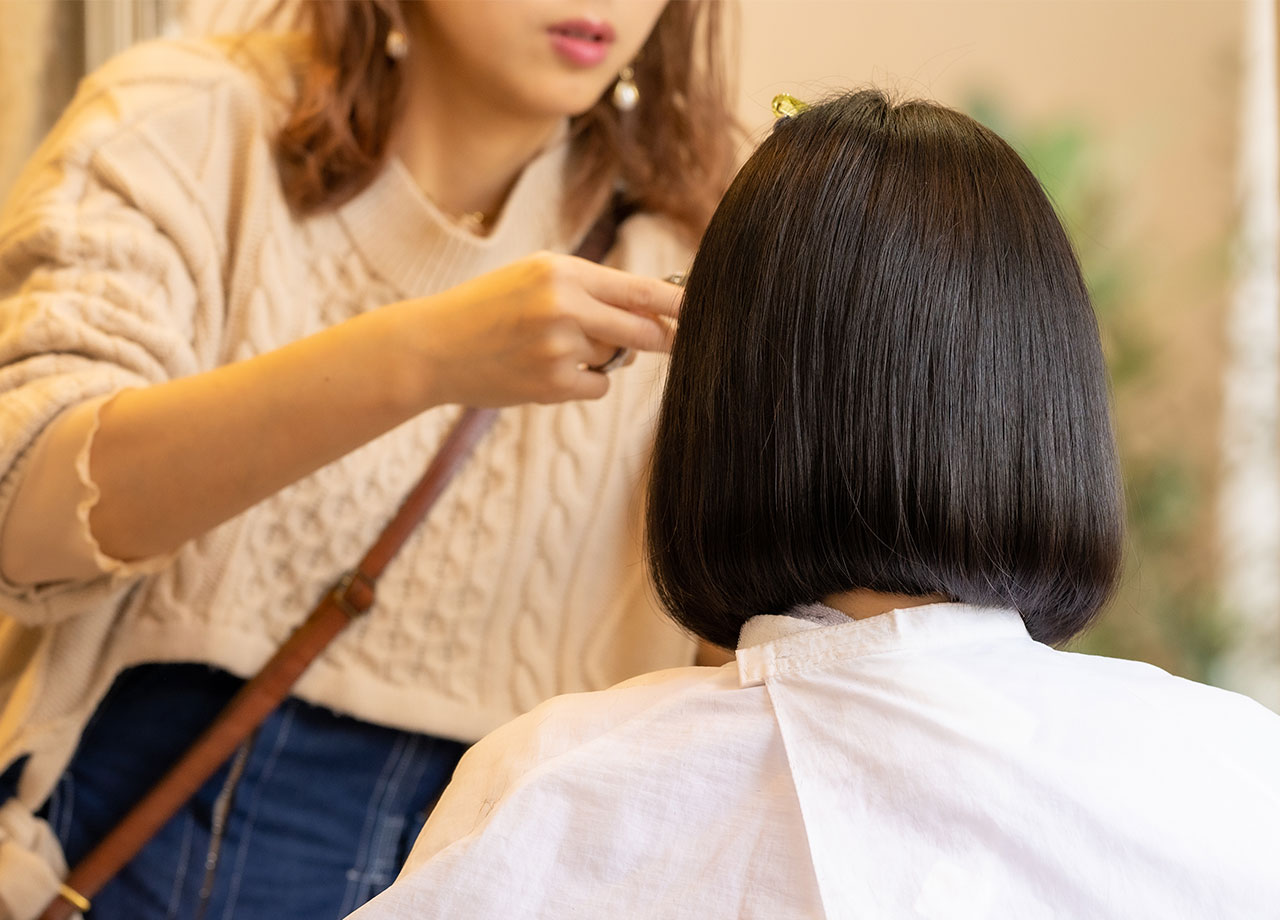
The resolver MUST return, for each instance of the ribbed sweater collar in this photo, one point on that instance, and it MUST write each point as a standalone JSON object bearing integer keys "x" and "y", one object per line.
{"x": 407, "y": 240}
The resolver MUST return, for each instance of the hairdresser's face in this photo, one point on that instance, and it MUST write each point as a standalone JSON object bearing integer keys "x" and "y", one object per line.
{"x": 538, "y": 58}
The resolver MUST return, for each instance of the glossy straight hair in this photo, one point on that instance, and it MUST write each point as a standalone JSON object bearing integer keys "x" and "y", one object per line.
{"x": 673, "y": 155}
{"x": 887, "y": 375}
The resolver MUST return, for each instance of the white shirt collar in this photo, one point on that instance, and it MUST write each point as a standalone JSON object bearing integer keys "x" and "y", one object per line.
{"x": 814, "y": 635}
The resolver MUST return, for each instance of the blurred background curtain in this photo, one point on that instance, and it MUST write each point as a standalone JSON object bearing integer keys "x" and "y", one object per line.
{"x": 46, "y": 46}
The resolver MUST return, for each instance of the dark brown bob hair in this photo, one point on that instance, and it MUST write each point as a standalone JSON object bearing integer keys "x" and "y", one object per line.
{"x": 673, "y": 154}
{"x": 887, "y": 376}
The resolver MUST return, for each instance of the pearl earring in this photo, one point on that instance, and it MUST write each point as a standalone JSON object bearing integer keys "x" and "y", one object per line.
{"x": 397, "y": 45}
{"x": 626, "y": 95}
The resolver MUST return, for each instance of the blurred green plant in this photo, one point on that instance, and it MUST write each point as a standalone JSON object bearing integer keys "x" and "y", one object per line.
{"x": 1165, "y": 610}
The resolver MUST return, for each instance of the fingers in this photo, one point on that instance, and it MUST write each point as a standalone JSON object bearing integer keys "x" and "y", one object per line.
{"x": 612, "y": 306}
{"x": 621, "y": 357}
{"x": 588, "y": 384}
{"x": 600, "y": 354}
{"x": 629, "y": 292}
{"x": 620, "y": 329}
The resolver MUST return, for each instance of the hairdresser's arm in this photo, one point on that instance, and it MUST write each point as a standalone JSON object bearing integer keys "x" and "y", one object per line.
{"x": 175, "y": 459}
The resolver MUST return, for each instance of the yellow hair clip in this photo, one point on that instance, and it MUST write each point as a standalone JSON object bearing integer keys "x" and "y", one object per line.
{"x": 785, "y": 105}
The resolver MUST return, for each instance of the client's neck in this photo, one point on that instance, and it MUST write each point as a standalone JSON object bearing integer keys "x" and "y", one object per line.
{"x": 861, "y": 603}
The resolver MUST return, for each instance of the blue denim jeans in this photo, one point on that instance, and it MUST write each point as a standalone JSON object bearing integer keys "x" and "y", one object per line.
{"x": 320, "y": 811}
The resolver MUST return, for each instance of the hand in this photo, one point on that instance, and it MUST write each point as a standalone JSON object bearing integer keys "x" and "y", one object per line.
{"x": 530, "y": 331}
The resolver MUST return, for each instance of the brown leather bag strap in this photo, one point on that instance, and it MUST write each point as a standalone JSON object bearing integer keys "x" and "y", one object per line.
{"x": 350, "y": 597}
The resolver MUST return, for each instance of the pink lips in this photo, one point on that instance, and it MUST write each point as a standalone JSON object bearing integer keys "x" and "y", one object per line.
{"x": 582, "y": 42}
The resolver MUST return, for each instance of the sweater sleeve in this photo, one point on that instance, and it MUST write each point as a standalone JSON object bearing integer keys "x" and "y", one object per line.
{"x": 110, "y": 273}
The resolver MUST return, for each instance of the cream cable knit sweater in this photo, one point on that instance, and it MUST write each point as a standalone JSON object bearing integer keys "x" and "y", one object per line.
{"x": 148, "y": 240}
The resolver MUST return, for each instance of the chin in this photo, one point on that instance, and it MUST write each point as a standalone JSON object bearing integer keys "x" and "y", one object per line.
{"x": 563, "y": 98}
{"x": 583, "y": 108}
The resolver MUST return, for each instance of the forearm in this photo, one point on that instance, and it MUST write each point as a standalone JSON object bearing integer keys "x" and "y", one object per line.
{"x": 173, "y": 460}
{"x": 219, "y": 442}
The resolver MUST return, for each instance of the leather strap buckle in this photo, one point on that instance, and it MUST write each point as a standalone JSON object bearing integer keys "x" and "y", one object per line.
{"x": 73, "y": 897}
{"x": 353, "y": 594}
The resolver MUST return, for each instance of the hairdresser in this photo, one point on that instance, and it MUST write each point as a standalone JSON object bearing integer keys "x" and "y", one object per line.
{"x": 245, "y": 288}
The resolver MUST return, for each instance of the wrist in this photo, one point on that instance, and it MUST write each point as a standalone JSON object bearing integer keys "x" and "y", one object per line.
{"x": 407, "y": 360}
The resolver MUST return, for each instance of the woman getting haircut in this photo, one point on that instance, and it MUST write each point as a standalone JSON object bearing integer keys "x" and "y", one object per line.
{"x": 246, "y": 287}
{"x": 885, "y": 472}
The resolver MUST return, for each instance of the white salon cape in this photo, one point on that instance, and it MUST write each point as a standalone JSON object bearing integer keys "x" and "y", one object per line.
{"x": 927, "y": 763}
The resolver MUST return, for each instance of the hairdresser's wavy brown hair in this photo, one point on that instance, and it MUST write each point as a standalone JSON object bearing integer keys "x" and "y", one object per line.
{"x": 673, "y": 154}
